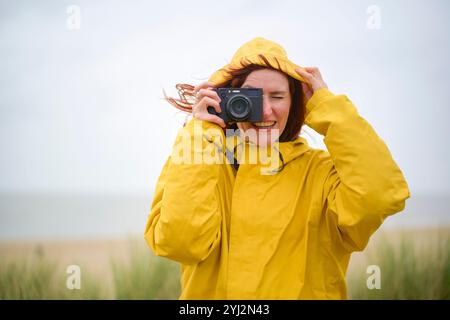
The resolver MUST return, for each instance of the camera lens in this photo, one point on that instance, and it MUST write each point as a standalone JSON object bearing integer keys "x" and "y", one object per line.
{"x": 239, "y": 108}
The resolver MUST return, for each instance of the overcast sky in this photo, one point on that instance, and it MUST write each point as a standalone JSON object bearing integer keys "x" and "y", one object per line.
{"x": 81, "y": 109}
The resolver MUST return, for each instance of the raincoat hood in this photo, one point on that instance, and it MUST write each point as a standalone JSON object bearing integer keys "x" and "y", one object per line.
{"x": 250, "y": 53}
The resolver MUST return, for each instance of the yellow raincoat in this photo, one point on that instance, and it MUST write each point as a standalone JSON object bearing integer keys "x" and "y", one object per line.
{"x": 244, "y": 235}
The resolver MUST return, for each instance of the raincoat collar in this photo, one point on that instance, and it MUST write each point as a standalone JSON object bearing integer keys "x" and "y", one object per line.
{"x": 287, "y": 151}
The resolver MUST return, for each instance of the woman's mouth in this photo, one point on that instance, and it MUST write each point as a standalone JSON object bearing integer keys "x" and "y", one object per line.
{"x": 264, "y": 124}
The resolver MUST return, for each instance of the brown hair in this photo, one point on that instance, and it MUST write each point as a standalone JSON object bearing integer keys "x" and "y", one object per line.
{"x": 238, "y": 76}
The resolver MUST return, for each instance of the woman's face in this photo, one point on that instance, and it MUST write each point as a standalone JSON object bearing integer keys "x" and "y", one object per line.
{"x": 276, "y": 104}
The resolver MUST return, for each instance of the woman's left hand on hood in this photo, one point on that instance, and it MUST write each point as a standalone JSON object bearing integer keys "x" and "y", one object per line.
{"x": 313, "y": 75}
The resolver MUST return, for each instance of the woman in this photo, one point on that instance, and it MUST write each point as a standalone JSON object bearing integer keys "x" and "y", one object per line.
{"x": 241, "y": 234}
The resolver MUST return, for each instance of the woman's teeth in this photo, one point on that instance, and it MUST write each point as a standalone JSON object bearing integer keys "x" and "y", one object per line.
{"x": 265, "y": 124}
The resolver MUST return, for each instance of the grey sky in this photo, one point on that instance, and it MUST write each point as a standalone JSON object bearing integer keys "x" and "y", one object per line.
{"x": 81, "y": 110}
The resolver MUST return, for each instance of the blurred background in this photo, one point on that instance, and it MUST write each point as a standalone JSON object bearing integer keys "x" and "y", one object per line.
{"x": 84, "y": 130}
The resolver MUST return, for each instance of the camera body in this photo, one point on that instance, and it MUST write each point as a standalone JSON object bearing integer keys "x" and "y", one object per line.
{"x": 239, "y": 104}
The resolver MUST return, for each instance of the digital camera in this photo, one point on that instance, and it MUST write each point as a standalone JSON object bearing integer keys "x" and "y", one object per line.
{"x": 239, "y": 104}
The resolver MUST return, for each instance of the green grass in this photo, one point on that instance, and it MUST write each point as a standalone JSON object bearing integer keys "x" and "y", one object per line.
{"x": 141, "y": 275}
{"x": 412, "y": 267}
{"x": 37, "y": 277}
{"x": 145, "y": 276}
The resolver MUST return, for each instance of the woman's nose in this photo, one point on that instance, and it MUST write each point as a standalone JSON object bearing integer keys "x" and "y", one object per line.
{"x": 267, "y": 107}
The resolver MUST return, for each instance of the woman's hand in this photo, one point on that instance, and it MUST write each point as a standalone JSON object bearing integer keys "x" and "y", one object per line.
{"x": 206, "y": 97}
{"x": 313, "y": 75}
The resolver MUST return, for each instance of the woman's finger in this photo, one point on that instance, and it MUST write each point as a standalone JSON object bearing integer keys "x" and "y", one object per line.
{"x": 208, "y": 93}
{"x": 308, "y": 76}
{"x": 316, "y": 72}
{"x": 202, "y": 85}
{"x": 313, "y": 70}
{"x": 314, "y": 76}
{"x": 304, "y": 73}
{"x": 308, "y": 88}
{"x": 206, "y": 102}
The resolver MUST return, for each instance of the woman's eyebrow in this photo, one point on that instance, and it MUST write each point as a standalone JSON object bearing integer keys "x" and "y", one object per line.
{"x": 273, "y": 92}
{"x": 278, "y": 92}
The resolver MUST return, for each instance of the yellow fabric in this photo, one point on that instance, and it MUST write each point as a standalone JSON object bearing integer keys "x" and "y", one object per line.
{"x": 249, "y": 53}
{"x": 244, "y": 235}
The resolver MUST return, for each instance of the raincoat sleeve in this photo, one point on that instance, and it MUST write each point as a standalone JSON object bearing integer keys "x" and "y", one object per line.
{"x": 362, "y": 184}
{"x": 185, "y": 217}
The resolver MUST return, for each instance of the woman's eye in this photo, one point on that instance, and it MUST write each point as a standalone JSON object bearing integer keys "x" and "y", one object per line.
{"x": 278, "y": 97}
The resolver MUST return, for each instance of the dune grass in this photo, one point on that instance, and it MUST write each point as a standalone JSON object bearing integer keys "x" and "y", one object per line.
{"x": 145, "y": 276}
{"x": 37, "y": 277}
{"x": 412, "y": 267}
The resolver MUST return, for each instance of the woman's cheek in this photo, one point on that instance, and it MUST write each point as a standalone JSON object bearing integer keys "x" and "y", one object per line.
{"x": 282, "y": 113}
